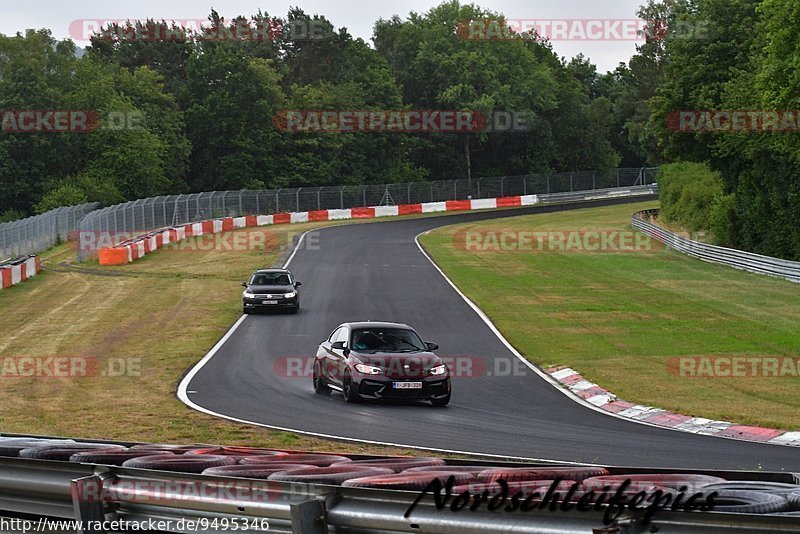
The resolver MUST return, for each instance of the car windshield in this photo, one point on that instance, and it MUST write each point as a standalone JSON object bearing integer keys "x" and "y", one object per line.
{"x": 271, "y": 279}
{"x": 386, "y": 340}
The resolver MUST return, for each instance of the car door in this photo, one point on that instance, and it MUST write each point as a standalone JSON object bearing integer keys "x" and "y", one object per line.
{"x": 323, "y": 353}
{"x": 328, "y": 356}
{"x": 336, "y": 357}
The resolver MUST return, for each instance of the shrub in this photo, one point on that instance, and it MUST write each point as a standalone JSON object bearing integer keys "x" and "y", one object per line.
{"x": 688, "y": 193}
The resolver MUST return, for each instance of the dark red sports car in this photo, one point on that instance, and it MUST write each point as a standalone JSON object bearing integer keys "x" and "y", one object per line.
{"x": 372, "y": 360}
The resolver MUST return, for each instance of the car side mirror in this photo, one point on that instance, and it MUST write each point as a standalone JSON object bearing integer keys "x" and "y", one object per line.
{"x": 431, "y": 345}
{"x": 338, "y": 345}
{"x": 298, "y": 284}
{"x": 243, "y": 284}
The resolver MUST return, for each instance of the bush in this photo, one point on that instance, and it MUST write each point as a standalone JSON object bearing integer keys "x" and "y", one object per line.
{"x": 721, "y": 220}
{"x": 689, "y": 192}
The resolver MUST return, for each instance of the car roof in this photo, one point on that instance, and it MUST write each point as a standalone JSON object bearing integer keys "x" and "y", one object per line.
{"x": 275, "y": 270}
{"x": 375, "y": 324}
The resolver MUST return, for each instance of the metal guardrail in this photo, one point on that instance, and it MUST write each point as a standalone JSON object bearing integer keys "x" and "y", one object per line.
{"x": 140, "y": 216}
{"x": 15, "y": 261}
{"x": 738, "y": 259}
{"x": 597, "y": 194}
{"x": 40, "y": 232}
{"x": 90, "y": 492}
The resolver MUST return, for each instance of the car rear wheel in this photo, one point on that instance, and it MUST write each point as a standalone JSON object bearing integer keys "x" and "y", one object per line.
{"x": 245, "y": 311}
{"x": 320, "y": 387}
{"x": 349, "y": 390}
{"x": 441, "y": 401}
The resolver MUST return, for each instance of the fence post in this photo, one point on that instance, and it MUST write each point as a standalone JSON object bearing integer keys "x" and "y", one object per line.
{"x": 409, "y": 193}
{"x": 297, "y": 199}
{"x": 502, "y": 186}
{"x": 479, "y": 188}
{"x": 341, "y": 197}
{"x": 548, "y": 183}
{"x": 617, "y": 171}
{"x": 364, "y": 195}
{"x": 594, "y": 180}
{"x": 277, "y": 200}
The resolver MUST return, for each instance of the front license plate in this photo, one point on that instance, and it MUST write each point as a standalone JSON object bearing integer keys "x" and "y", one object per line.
{"x": 408, "y": 385}
{"x": 269, "y": 302}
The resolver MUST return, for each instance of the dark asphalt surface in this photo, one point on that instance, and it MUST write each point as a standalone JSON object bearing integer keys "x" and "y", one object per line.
{"x": 376, "y": 272}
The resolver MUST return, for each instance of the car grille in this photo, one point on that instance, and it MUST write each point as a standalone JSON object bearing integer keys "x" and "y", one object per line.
{"x": 270, "y": 296}
{"x": 401, "y": 372}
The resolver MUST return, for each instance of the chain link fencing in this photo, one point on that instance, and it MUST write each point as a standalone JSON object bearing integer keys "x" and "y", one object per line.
{"x": 40, "y": 232}
{"x": 107, "y": 226}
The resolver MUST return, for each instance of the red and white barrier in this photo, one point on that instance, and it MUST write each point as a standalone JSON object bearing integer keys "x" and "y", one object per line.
{"x": 135, "y": 248}
{"x": 14, "y": 274}
{"x": 602, "y": 398}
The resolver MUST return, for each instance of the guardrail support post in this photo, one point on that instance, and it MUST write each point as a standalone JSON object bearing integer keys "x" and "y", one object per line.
{"x": 87, "y": 501}
{"x": 309, "y": 517}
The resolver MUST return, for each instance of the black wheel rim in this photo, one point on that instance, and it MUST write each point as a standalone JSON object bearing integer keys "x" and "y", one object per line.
{"x": 316, "y": 377}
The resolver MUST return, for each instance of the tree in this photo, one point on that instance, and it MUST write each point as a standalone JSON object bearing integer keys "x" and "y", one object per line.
{"x": 35, "y": 72}
{"x": 232, "y": 99}
{"x": 438, "y": 69}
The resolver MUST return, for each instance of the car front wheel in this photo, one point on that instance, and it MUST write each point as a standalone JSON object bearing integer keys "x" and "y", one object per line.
{"x": 349, "y": 390}
{"x": 441, "y": 401}
{"x": 320, "y": 387}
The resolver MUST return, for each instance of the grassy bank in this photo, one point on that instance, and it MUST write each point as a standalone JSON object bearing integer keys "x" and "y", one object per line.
{"x": 148, "y": 322}
{"x": 620, "y": 318}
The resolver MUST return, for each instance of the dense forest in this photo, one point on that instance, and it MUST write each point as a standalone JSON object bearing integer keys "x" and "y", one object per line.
{"x": 206, "y": 108}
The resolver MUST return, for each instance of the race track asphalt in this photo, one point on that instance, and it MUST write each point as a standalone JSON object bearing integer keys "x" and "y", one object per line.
{"x": 375, "y": 271}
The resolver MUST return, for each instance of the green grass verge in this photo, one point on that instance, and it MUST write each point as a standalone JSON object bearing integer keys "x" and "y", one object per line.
{"x": 618, "y": 318}
{"x": 155, "y": 322}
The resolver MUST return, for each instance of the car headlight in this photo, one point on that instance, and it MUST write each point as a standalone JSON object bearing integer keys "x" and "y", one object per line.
{"x": 291, "y": 295}
{"x": 248, "y": 295}
{"x": 368, "y": 369}
{"x": 438, "y": 370}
